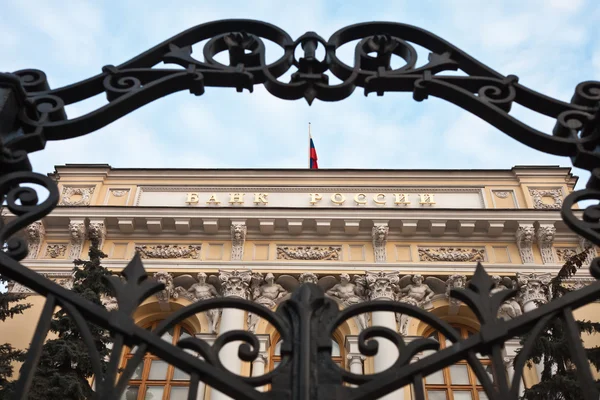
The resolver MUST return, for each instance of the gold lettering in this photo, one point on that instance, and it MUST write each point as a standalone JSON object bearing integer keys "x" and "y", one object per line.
{"x": 192, "y": 198}
{"x": 261, "y": 198}
{"x": 379, "y": 198}
{"x": 360, "y": 199}
{"x": 315, "y": 198}
{"x": 427, "y": 198}
{"x": 213, "y": 200}
{"x": 338, "y": 198}
{"x": 236, "y": 198}
{"x": 401, "y": 198}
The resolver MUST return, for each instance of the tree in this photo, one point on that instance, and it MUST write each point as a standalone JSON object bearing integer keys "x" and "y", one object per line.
{"x": 65, "y": 368}
{"x": 11, "y": 304}
{"x": 551, "y": 350}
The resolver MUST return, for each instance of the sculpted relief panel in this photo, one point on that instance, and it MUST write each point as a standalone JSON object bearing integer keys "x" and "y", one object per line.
{"x": 330, "y": 253}
{"x": 553, "y": 195}
{"x": 451, "y": 254}
{"x": 76, "y": 196}
{"x": 169, "y": 251}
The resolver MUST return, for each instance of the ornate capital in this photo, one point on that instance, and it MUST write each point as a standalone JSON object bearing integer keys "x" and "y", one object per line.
{"x": 238, "y": 238}
{"x": 380, "y": 235}
{"x": 545, "y": 238}
{"x": 533, "y": 287}
{"x": 35, "y": 236}
{"x": 382, "y": 285}
{"x": 524, "y": 237}
{"x": 235, "y": 283}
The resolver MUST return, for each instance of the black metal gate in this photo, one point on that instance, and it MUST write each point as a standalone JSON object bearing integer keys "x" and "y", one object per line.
{"x": 31, "y": 114}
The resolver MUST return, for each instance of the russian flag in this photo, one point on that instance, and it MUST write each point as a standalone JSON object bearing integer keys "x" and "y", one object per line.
{"x": 312, "y": 153}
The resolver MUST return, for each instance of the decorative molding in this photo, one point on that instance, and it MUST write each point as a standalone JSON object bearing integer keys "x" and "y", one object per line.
{"x": 238, "y": 238}
{"x": 382, "y": 285}
{"x": 555, "y": 194}
{"x": 169, "y": 251}
{"x": 56, "y": 250}
{"x": 119, "y": 192}
{"x": 85, "y": 193}
{"x": 235, "y": 283}
{"x": 545, "y": 237}
{"x": 564, "y": 253}
{"x": 64, "y": 279}
{"x": 592, "y": 253}
{"x": 501, "y": 193}
{"x": 77, "y": 233}
{"x": 35, "y": 236}
{"x": 379, "y": 234}
{"x": 320, "y": 253}
{"x": 524, "y": 237}
{"x": 451, "y": 254}
{"x": 533, "y": 288}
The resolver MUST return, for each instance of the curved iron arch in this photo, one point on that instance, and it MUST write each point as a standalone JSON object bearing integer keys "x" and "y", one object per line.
{"x": 31, "y": 114}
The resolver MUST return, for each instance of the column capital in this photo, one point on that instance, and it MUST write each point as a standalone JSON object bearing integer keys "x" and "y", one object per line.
{"x": 382, "y": 285}
{"x": 235, "y": 283}
{"x": 533, "y": 288}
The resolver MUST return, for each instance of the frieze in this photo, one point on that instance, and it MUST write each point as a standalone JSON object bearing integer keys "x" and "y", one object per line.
{"x": 564, "y": 253}
{"x": 64, "y": 279}
{"x": 330, "y": 253}
{"x": 538, "y": 194}
{"x": 70, "y": 191}
{"x": 169, "y": 251}
{"x": 56, "y": 250}
{"x": 451, "y": 254}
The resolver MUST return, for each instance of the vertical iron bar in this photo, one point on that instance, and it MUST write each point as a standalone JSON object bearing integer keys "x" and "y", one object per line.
{"x": 418, "y": 389}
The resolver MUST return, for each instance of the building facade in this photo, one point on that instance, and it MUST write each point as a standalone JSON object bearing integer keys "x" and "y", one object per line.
{"x": 406, "y": 235}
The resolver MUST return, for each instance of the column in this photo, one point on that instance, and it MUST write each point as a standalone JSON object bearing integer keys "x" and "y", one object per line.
{"x": 259, "y": 365}
{"x": 382, "y": 287}
{"x": 510, "y": 348}
{"x": 210, "y": 339}
{"x": 354, "y": 358}
{"x": 233, "y": 284}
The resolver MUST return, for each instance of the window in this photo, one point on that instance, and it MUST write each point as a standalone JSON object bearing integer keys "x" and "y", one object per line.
{"x": 336, "y": 354}
{"x": 155, "y": 379}
{"x": 458, "y": 381}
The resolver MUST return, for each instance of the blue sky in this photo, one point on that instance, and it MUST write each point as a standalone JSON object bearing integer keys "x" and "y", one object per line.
{"x": 549, "y": 44}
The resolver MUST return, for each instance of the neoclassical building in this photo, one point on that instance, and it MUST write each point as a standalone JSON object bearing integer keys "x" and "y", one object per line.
{"x": 406, "y": 235}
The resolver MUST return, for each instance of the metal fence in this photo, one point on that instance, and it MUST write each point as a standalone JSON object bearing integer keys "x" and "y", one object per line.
{"x": 31, "y": 114}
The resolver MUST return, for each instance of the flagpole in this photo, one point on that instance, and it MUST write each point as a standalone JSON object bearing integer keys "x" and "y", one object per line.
{"x": 309, "y": 137}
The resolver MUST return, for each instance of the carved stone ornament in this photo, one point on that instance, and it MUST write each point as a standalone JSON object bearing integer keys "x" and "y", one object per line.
{"x": 238, "y": 237}
{"x": 455, "y": 281}
{"x": 77, "y": 232}
{"x": 97, "y": 231}
{"x": 380, "y": 234}
{"x": 169, "y": 251}
{"x": 110, "y": 303}
{"x": 56, "y": 250}
{"x": 308, "y": 277}
{"x": 538, "y": 194}
{"x": 349, "y": 293}
{"x": 266, "y": 293}
{"x": 313, "y": 253}
{"x": 533, "y": 287}
{"x": 119, "y": 192}
{"x": 585, "y": 244}
{"x": 564, "y": 253}
{"x": 451, "y": 254}
{"x": 382, "y": 285}
{"x": 169, "y": 290}
{"x": 510, "y": 308}
{"x": 35, "y": 236}
{"x": 202, "y": 291}
{"x": 501, "y": 194}
{"x": 64, "y": 279}
{"x": 69, "y": 191}
{"x": 545, "y": 238}
{"x": 524, "y": 238}
{"x": 235, "y": 283}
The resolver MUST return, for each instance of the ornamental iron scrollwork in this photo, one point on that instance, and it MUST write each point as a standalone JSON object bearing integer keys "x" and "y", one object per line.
{"x": 31, "y": 114}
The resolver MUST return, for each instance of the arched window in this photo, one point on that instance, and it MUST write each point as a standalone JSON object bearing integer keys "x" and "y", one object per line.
{"x": 155, "y": 379}
{"x": 458, "y": 381}
{"x": 336, "y": 354}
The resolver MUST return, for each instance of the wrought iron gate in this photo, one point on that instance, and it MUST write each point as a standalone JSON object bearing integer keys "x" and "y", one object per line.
{"x": 31, "y": 114}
